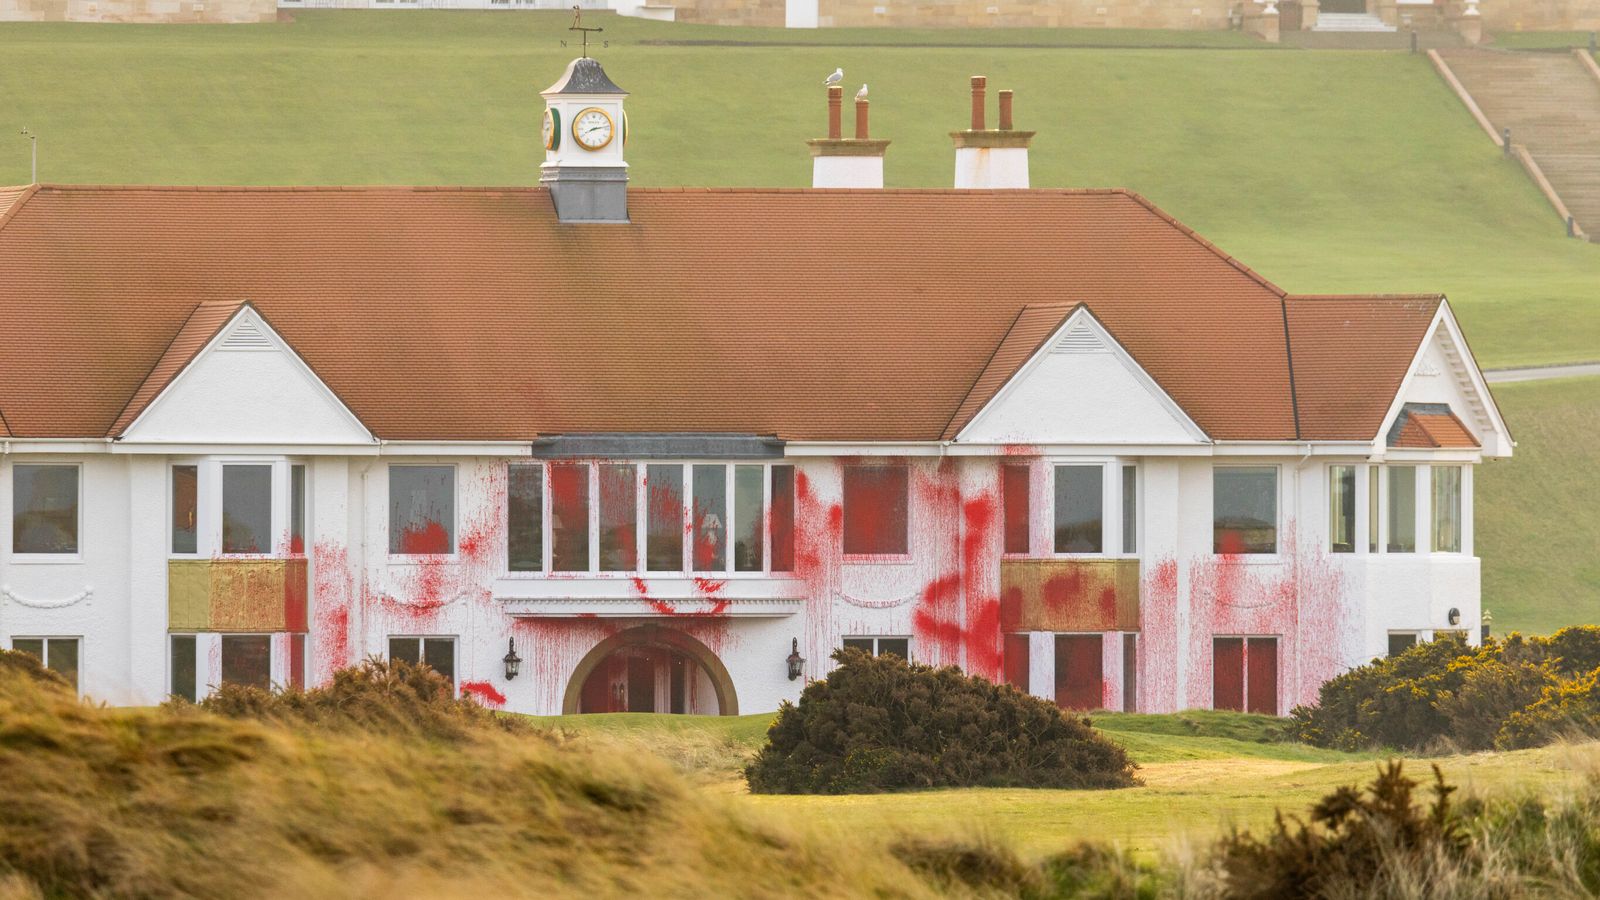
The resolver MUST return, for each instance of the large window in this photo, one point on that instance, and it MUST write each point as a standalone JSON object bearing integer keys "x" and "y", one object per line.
{"x": 247, "y": 509}
{"x": 1014, "y": 506}
{"x": 1244, "y": 509}
{"x": 422, "y": 509}
{"x": 689, "y": 523}
{"x": 1402, "y": 501}
{"x": 221, "y": 507}
{"x": 247, "y": 660}
{"x": 1342, "y": 508}
{"x": 59, "y": 654}
{"x": 876, "y": 509}
{"x": 1080, "y": 509}
{"x": 1446, "y": 509}
{"x": 44, "y": 516}
{"x": 439, "y": 653}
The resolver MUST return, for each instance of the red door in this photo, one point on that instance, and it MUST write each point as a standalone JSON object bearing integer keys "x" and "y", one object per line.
{"x": 1261, "y": 669}
{"x": 1227, "y": 673}
{"x": 1080, "y": 678}
{"x": 1015, "y": 660}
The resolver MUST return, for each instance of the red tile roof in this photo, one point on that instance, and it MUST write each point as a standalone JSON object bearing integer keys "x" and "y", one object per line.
{"x": 1425, "y": 428}
{"x": 197, "y": 331}
{"x": 1350, "y": 355}
{"x": 1033, "y": 326}
{"x": 472, "y": 314}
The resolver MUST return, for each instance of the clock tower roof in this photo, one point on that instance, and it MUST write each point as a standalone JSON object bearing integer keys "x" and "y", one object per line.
{"x": 584, "y": 76}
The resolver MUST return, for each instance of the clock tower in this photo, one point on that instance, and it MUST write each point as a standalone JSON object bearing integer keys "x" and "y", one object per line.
{"x": 584, "y": 132}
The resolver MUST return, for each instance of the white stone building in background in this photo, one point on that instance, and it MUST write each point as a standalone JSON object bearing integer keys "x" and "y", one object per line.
{"x": 667, "y": 450}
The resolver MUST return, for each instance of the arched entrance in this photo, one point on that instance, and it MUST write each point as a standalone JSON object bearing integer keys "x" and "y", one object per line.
{"x": 650, "y": 668}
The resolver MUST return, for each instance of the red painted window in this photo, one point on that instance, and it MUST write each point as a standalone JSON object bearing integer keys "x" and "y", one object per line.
{"x": 569, "y": 518}
{"x": 1014, "y": 659}
{"x": 1014, "y": 503}
{"x": 1244, "y": 674}
{"x": 876, "y": 503}
{"x": 1080, "y": 676}
{"x": 783, "y": 518}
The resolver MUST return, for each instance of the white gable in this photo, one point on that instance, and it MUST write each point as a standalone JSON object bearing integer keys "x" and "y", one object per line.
{"x": 247, "y": 387}
{"x": 1081, "y": 387}
{"x": 1444, "y": 371}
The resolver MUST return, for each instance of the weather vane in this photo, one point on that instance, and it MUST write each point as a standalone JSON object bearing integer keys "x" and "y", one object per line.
{"x": 578, "y": 26}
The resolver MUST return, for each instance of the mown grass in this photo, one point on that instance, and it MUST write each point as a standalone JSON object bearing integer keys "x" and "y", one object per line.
{"x": 1380, "y": 184}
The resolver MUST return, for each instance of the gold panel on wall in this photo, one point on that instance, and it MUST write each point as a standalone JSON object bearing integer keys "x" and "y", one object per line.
{"x": 1069, "y": 595}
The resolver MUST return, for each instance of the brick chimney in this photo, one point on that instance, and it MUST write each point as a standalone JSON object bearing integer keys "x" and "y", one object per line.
{"x": 841, "y": 162}
{"x": 991, "y": 157}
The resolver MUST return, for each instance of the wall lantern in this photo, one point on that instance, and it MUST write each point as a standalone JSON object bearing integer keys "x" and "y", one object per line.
{"x": 797, "y": 663}
{"x": 1454, "y": 616}
{"x": 512, "y": 660}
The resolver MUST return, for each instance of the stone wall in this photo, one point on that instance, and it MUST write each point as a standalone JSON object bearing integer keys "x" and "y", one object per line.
{"x": 145, "y": 11}
{"x": 1185, "y": 14}
{"x": 765, "y": 13}
{"x": 1540, "y": 15}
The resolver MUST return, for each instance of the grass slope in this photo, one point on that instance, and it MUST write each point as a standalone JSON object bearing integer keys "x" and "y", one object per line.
{"x": 1327, "y": 171}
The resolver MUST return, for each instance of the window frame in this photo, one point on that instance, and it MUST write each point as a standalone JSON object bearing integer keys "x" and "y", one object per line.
{"x": 1354, "y": 512}
{"x": 1460, "y": 509}
{"x": 208, "y": 505}
{"x": 45, "y": 558}
{"x": 877, "y": 649}
{"x": 422, "y": 652}
{"x": 1276, "y": 554}
{"x": 45, "y": 661}
{"x": 1112, "y": 471}
{"x": 388, "y": 513}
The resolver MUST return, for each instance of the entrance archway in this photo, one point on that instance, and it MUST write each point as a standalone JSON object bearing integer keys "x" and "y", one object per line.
{"x": 648, "y": 661}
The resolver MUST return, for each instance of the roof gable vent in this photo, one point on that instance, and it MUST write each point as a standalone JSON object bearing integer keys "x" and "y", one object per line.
{"x": 1080, "y": 338}
{"x": 246, "y": 336}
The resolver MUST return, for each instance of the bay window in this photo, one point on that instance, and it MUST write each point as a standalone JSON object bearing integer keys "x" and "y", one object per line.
{"x": 569, "y": 518}
{"x": 525, "y": 519}
{"x": 246, "y": 509}
{"x": 619, "y": 545}
{"x": 186, "y": 509}
{"x": 237, "y": 507}
{"x": 1342, "y": 508}
{"x": 748, "y": 518}
{"x": 1446, "y": 509}
{"x": 664, "y": 518}
{"x": 1080, "y": 508}
{"x": 709, "y": 518}
{"x": 1130, "y": 509}
{"x": 1402, "y": 500}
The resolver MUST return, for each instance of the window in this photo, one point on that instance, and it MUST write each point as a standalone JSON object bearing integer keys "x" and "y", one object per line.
{"x": 782, "y": 518}
{"x": 1014, "y": 507}
{"x": 247, "y": 509}
{"x": 439, "y": 653}
{"x": 1080, "y": 671}
{"x": 876, "y": 509}
{"x": 1130, "y": 509}
{"x": 1402, "y": 509}
{"x": 1447, "y": 509}
{"x": 185, "y": 509}
{"x": 297, "y": 661}
{"x": 710, "y": 518}
{"x": 1401, "y": 641}
{"x": 422, "y": 509}
{"x": 59, "y": 654}
{"x": 748, "y": 519}
{"x": 1244, "y": 674}
{"x": 297, "y": 510}
{"x": 525, "y": 518}
{"x": 1244, "y": 509}
{"x": 1130, "y": 672}
{"x": 1342, "y": 508}
{"x": 878, "y": 646}
{"x": 619, "y": 543}
{"x": 184, "y": 671}
{"x": 569, "y": 517}
{"x": 1080, "y": 503}
{"x": 664, "y": 518}
{"x": 247, "y": 660}
{"x": 1373, "y": 499}
{"x": 44, "y": 515}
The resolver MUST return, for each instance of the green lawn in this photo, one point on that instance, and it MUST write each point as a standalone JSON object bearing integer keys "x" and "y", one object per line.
{"x": 1538, "y": 513}
{"x": 1326, "y": 171}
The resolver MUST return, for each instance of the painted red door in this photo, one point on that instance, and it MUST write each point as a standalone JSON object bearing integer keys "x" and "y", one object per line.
{"x": 1080, "y": 677}
{"x": 1261, "y": 669}
{"x": 1227, "y": 673}
{"x": 1015, "y": 661}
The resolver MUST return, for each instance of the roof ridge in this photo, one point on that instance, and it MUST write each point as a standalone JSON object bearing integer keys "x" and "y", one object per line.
{"x": 525, "y": 188}
{"x": 1398, "y": 298}
{"x": 10, "y": 212}
{"x": 117, "y": 424}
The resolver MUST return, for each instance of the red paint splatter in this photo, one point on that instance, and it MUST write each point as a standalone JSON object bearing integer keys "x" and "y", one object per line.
{"x": 485, "y": 692}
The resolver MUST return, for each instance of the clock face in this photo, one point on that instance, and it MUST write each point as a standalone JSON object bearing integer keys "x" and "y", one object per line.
{"x": 552, "y": 130}
{"x": 592, "y": 128}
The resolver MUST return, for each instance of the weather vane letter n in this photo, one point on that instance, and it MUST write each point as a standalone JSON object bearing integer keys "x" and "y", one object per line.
{"x": 578, "y": 26}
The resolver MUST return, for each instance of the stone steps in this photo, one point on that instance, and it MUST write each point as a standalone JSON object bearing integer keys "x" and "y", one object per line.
{"x": 1345, "y": 22}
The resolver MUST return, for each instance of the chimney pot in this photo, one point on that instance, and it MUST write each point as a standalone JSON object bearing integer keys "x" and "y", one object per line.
{"x": 1005, "y": 110}
{"x": 835, "y": 113}
{"x": 861, "y": 120}
{"x": 979, "y": 86}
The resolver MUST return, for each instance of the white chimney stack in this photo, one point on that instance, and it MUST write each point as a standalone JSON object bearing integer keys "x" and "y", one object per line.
{"x": 841, "y": 162}
{"x": 991, "y": 158}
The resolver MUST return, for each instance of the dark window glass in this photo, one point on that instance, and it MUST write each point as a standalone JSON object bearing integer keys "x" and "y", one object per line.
{"x": 710, "y": 517}
{"x": 247, "y": 660}
{"x": 619, "y": 510}
{"x": 185, "y": 684}
{"x": 663, "y": 486}
{"x": 1447, "y": 509}
{"x": 34, "y": 647}
{"x": 876, "y": 506}
{"x": 440, "y": 655}
{"x": 1014, "y": 502}
{"x": 1402, "y": 509}
{"x": 569, "y": 517}
{"x": 1015, "y": 660}
{"x": 525, "y": 519}
{"x": 44, "y": 509}
{"x": 1342, "y": 508}
{"x": 1130, "y": 673}
{"x": 297, "y": 661}
{"x": 865, "y": 645}
{"x": 1244, "y": 510}
{"x": 1130, "y": 509}
{"x": 1080, "y": 504}
{"x": 61, "y": 657}
{"x": 406, "y": 649}
{"x": 422, "y": 509}
{"x": 783, "y": 518}
{"x": 247, "y": 509}
{"x": 1400, "y": 643}
{"x": 748, "y": 518}
{"x": 900, "y": 647}
{"x": 1372, "y": 509}
{"x": 297, "y": 510}
{"x": 185, "y": 508}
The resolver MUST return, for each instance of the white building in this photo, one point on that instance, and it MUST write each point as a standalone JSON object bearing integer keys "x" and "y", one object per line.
{"x": 664, "y": 444}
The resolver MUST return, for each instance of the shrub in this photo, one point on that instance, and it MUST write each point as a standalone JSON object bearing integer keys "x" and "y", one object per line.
{"x": 882, "y": 724}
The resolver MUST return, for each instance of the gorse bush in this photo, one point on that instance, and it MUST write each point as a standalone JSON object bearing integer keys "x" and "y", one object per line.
{"x": 882, "y": 724}
{"x": 1520, "y": 692}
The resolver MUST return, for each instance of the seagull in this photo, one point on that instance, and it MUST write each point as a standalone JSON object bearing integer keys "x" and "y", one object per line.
{"x": 835, "y": 78}
{"x": 862, "y": 94}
